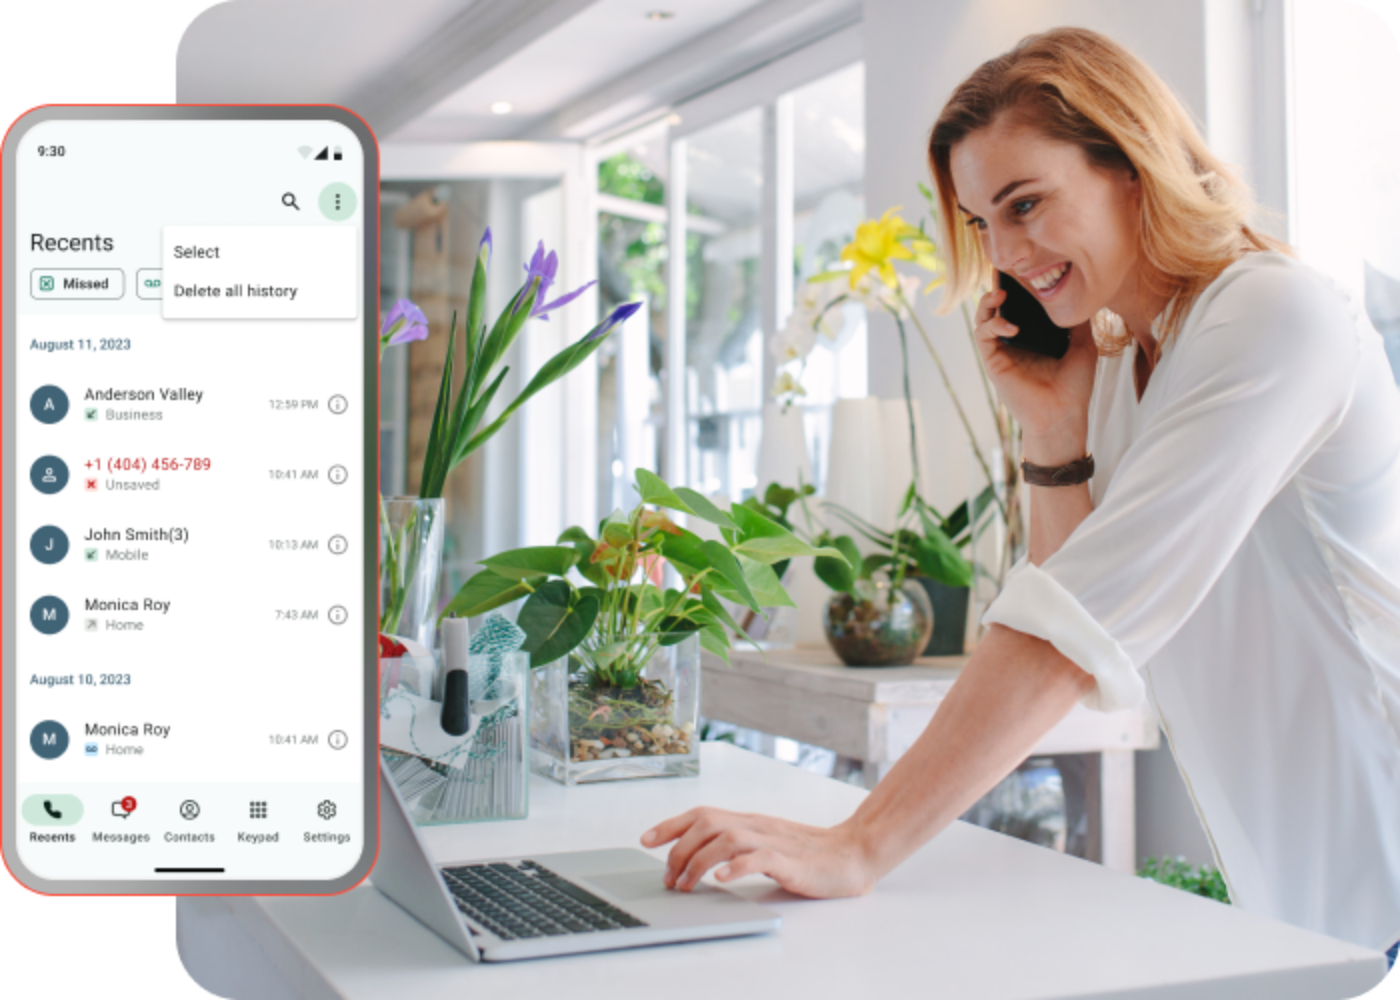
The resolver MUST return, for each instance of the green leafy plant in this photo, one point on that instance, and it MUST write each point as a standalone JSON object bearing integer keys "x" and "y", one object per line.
{"x": 459, "y": 424}
{"x": 1175, "y": 872}
{"x": 924, "y": 542}
{"x": 619, "y": 615}
{"x": 597, "y": 599}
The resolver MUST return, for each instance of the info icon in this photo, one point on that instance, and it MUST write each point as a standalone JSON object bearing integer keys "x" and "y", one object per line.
{"x": 49, "y": 404}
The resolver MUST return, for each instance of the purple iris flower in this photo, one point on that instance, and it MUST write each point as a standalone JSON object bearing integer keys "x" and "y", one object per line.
{"x": 487, "y": 245}
{"x": 405, "y": 322}
{"x": 619, "y": 315}
{"x": 544, "y": 267}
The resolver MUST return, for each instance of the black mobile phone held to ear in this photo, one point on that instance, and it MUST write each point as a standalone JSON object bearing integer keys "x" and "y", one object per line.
{"x": 1036, "y": 331}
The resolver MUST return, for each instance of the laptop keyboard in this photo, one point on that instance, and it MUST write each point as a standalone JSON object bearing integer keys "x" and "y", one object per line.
{"x": 527, "y": 900}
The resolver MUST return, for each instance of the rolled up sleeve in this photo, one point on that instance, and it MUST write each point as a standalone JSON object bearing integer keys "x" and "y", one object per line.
{"x": 1260, "y": 377}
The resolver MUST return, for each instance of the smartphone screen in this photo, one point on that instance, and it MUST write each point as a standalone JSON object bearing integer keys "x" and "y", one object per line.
{"x": 190, "y": 423}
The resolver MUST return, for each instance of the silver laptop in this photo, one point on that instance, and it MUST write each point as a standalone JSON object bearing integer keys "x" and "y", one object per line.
{"x": 550, "y": 904}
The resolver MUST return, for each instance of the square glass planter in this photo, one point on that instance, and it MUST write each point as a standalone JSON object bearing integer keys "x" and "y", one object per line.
{"x": 583, "y": 732}
{"x": 483, "y": 775}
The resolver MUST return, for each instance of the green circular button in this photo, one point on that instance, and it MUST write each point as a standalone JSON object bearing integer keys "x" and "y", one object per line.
{"x": 338, "y": 202}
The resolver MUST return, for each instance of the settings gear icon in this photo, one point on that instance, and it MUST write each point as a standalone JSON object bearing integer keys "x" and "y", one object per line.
{"x": 326, "y": 810}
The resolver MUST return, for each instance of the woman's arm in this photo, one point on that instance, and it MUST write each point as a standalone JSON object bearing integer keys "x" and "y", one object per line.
{"x": 1055, "y": 511}
{"x": 1014, "y": 689}
{"x": 1050, "y": 400}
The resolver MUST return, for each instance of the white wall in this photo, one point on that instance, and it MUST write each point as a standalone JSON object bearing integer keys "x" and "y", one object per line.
{"x": 1347, "y": 75}
{"x": 916, "y": 53}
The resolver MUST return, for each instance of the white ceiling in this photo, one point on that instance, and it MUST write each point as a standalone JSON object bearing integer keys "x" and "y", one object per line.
{"x": 301, "y": 51}
{"x": 724, "y": 173}
{"x": 589, "y": 50}
{"x": 429, "y": 70}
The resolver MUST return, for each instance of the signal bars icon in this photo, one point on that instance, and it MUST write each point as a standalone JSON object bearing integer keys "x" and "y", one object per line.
{"x": 326, "y": 153}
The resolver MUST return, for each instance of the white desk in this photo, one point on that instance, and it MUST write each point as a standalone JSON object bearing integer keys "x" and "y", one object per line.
{"x": 972, "y": 914}
{"x": 874, "y": 715}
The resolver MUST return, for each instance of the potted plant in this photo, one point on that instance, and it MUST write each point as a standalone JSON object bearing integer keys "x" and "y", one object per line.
{"x": 614, "y": 650}
{"x": 927, "y": 550}
{"x": 411, "y": 528}
{"x": 868, "y": 276}
{"x": 878, "y": 613}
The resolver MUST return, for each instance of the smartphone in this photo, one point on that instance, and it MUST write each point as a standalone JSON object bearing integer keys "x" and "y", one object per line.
{"x": 1036, "y": 331}
{"x": 190, "y": 420}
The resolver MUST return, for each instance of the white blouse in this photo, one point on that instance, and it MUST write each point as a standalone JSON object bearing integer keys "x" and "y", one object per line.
{"x": 1241, "y": 567}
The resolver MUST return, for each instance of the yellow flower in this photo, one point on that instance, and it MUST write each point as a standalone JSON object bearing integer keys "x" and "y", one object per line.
{"x": 876, "y": 246}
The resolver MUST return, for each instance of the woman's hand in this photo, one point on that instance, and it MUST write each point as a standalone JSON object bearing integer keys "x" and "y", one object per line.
{"x": 807, "y": 860}
{"x": 1049, "y": 398}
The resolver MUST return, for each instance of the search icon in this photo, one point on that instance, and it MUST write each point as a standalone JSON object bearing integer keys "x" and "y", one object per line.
{"x": 290, "y": 200}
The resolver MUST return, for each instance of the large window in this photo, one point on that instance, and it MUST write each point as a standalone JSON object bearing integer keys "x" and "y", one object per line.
{"x": 828, "y": 157}
{"x": 771, "y": 188}
{"x": 1346, "y": 186}
{"x": 723, "y": 325}
{"x": 631, "y": 266}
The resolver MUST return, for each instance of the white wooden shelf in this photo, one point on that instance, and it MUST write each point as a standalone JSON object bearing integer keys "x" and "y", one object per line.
{"x": 874, "y": 714}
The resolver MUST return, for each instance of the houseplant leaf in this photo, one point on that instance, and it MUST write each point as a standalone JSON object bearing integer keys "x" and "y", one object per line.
{"x": 685, "y": 553}
{"x": 718, "y": 610}
{"x": 703, "y": 509}
{"x": 518, "y": 564}
{"x": 772, "y": 550}
{"x": 552, "y": 630}
{"x": 767, "y": 587}
{"x": 723, "y": 562}
{"x": 487, "y": 591}
{"x": 768, "y": 541}
{"x": 654, "y": 491}
{"x": 583, "y": 544}
{"x": 840, "y": 574}
{"x": 939, "y": 559}
{"x": 714, "y": 640}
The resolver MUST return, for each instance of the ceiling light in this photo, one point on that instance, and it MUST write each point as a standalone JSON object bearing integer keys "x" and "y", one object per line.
{"x": 501, "y": 108}
{"x": 660, "y": 15}
{"x": 673, "y": 119}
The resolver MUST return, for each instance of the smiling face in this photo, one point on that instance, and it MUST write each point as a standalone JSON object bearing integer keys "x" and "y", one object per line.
{"x": 1067, "y": 230}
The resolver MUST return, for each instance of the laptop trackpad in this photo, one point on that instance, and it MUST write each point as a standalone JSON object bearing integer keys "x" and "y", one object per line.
{"x": 631, "y": 886}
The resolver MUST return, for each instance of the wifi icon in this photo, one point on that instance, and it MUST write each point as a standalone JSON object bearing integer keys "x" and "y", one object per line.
{"x": 305, "y": 151}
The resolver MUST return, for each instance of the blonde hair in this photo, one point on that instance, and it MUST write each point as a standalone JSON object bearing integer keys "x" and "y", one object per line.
{"x": 1076, "y": 86}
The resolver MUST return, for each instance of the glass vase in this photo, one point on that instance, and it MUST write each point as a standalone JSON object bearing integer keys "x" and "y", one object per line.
{"x": 584, "y": 729}
{"x": 410, "y": 567}
{"x": 881, "y": 625}
{"x": 481, "y": 775}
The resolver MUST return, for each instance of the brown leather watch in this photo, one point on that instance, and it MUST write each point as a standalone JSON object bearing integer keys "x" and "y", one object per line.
{"x": 1081, "y": 470}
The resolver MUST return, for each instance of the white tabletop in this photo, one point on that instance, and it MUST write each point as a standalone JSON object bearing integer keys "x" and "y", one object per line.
{"x": 972, "y": 914}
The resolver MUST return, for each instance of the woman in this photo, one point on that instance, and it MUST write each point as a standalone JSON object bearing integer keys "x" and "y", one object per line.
{"x": 1235, "y": 556}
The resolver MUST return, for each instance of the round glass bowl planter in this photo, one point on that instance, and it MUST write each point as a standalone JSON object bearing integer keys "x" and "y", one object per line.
{"x": 883, "y": 626}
